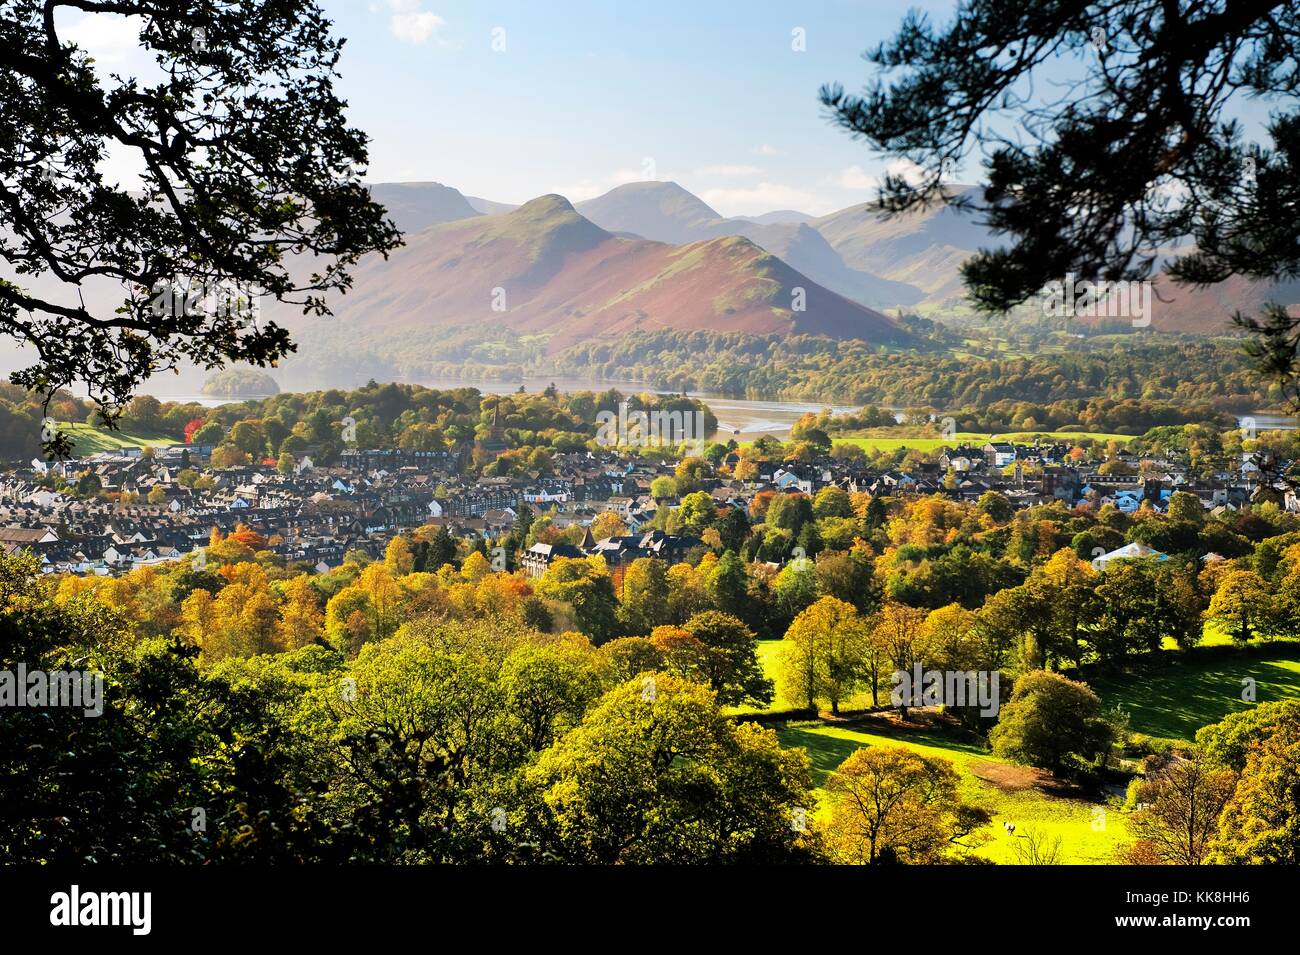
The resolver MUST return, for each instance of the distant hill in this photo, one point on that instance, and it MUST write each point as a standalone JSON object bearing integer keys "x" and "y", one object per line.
{"x": 554, "y": 272}
{"x": 415, "y": 206}
{"x": 666, "y": 212}
{"x": 662, "y": 211}
{"x": 489, "y": 208}
{"x": 781, "y": 215}
{"x": 921, "y": 249}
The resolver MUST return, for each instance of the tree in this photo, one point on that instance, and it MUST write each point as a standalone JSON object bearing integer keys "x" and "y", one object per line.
{"x": 607, "y": 524}
{"x": 629, "y": 656}
{"x": 227, "y": 456}
{"x": 211, "y": 433}
{"x": 1178, "y": 812}
{"x": 301, "y": 621}
{"x": 285, "y": 463}
{"x": 1186, "y": 507}
{"x": 644, "y": 604}
{"x": 122, "y": 788}
{"x": 1139, "y": 604}
{"x": 248, "y": 436}
{"x": 826, "y": 654}
{"x": 1157, "y": 87}
{"x": 585, "y": 585}
{"x": 1243, "y": 605}
{"x": 730, "y": 662}
{"x": 895, "y": 635}
{"x": 893, "y": 804}
{"x": 1229, "y": 742}
{"x": 440, "y": 549}
{"x": 996, "y": 506}
{"x": 475, "y": 567}
{"x": 246, "y": 163}
{"x": 728, "y": 585}
{"x": 832, "y": 501}
{"x": 789, "y": 512}
{"x": 663, "y": 487}
{"x": 849, "y": 576}
{"x": 546, "y": 689}
{"x": 697, "y": 512}
{"x": 656, "y": 773}
{"x": 1260, "y": 824}
{"x": 1051, "y": 722}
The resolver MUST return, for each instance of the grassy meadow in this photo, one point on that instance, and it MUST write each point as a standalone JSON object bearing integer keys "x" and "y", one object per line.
{"x": 885, "y": 439}
{"x": 1173, "y": 702}
{"x": 87, "y": 439}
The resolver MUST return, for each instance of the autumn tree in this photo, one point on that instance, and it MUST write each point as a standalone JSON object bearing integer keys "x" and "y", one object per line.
{"x": 826, "y": 654}
{"x": 656, "y": 773}
{"x": 1051, "y": 722}
{"x": 1178, "y": 809}
{"x": 893, "y": 804}
{"x": 1242, "y": 605}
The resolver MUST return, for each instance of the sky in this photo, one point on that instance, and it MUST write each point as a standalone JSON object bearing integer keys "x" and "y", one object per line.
{"x": 512, "y": 100}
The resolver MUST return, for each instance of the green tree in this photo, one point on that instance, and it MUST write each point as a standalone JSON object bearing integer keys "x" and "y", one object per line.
{"x": 1051, "y": 722}
{"x": 644, "y": 603}
{"x": 731, "y": 662}
{"x": 656, "y": 773}
{"x": 265, "y": 166}
{"x": 1243, "y": 606}
{"x": 585, "y": 585}
{"x": 893, "y": 804}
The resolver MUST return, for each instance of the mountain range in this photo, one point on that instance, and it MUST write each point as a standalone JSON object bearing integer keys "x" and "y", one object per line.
{"x": 653, "y": 256}
{"x": 885, "y": 264}
{"x": 545, "y": 269}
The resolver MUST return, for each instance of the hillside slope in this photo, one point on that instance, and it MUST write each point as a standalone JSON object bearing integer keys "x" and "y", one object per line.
{"x": 545, "y": 269}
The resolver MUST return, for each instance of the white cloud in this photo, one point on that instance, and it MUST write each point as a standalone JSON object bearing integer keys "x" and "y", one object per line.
{"x": 728, "y": 169}
{"x": 854, "y": 177}
{"x": 109, "y": 38}
{"x": 764, "y": 197}
{"x": 857, "y": 179}
{"x": 591, "y": 188}
{"x": 768, "y": 150}
{"x": 415, "y": 27}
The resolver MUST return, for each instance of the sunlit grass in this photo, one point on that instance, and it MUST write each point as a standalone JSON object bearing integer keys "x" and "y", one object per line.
{"x": 91, "y": 440}
{"x": 1090, "y": 832}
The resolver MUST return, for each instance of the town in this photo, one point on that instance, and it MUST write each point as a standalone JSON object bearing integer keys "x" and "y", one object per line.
{"x": 169, "y": 500}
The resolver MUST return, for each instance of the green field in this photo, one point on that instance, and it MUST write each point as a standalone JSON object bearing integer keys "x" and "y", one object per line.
{"x": 1174, "y": 703}
{"x": 91, "y": 440}
{"x": 884, "y": 442}
{"x": 1090, "y": 832}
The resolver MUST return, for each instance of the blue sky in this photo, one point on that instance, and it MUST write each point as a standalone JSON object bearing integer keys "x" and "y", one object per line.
{"x": 586, "y": 95}
{"x": 511, "y": 100}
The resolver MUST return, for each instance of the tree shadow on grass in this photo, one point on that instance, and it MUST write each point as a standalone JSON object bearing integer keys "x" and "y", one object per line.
{"x": 824, "y": 752}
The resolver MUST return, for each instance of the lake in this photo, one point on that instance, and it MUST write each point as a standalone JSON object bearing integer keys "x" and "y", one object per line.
{"x": 741, "y": 418}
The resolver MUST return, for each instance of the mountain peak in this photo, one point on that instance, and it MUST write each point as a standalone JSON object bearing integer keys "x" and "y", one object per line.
{"x": 547, "y": 205}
